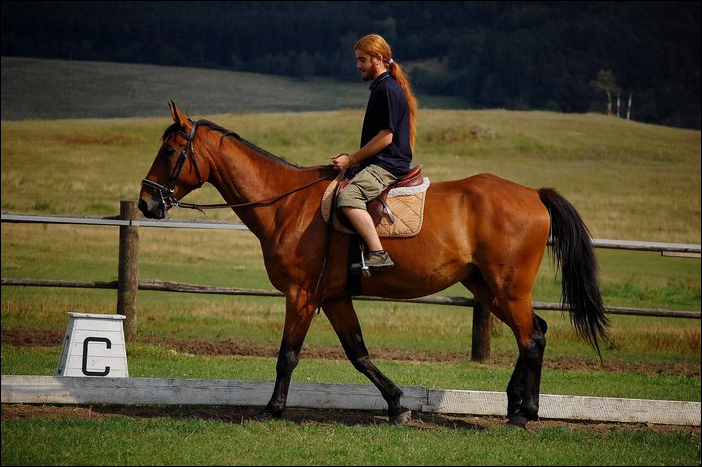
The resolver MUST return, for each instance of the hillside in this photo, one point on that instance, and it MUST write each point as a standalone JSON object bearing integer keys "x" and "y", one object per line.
{"x": 54, "y": 89}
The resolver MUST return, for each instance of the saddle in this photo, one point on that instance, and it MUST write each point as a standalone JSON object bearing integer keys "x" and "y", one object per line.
{"x": 377, "y": 205}
{"x": 402, "y": 201}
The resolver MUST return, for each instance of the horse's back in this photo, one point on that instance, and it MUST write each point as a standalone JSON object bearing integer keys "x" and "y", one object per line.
{"x": 488, "y": 184}
{"x": 489, "y": 198}
{"x": 497, "y": 216}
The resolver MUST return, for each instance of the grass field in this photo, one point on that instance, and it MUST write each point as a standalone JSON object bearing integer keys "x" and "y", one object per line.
{"x": 629, "y": 181}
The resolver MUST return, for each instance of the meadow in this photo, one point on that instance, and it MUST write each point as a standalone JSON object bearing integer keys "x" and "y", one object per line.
{"x": 629, "y": 181}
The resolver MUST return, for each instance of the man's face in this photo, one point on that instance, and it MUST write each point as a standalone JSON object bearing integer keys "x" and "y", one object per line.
{"x": 368, "y": 65}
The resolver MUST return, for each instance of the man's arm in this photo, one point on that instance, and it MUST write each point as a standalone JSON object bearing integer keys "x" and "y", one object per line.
{"x": 374, "y": 146}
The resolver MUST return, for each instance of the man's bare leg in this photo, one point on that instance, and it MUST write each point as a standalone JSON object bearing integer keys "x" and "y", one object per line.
{"x": 363, "y": 223}
{"x": 378, "y": 259}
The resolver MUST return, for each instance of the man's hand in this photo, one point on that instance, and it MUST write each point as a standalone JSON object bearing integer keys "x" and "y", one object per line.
{"x": 342, "y": 161}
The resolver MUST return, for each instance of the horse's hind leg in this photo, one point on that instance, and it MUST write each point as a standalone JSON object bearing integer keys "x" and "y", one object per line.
{"x": 524, "y": 385}
{"x": 343, "y": 318}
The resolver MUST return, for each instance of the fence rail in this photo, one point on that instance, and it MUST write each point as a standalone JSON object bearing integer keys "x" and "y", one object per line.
{"x": 683, "y": 248}
{"x": 128, "y": 283}
{"x": 24, "y": 389}
{"x": 170, "y": 286}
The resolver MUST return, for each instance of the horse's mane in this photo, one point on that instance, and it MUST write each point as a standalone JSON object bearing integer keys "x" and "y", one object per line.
{"x": 213, "y": 126}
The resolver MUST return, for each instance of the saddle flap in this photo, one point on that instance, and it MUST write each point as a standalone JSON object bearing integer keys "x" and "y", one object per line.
{"x": 375, "y": 206}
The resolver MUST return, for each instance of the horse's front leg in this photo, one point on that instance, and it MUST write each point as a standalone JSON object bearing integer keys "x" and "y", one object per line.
{"x": 343, "y": 318}
{"x": 297, "y": 323}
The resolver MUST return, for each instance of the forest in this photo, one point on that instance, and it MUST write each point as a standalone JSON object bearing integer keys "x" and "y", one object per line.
{"x": 587, "y": 56}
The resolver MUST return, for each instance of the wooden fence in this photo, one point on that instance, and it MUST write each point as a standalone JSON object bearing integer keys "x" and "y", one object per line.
{"x": 128, "y": 283}
{"x": 27, "y": 389}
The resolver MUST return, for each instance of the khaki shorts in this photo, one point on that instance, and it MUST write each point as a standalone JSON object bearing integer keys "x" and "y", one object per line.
{"x": 365, "y": 186}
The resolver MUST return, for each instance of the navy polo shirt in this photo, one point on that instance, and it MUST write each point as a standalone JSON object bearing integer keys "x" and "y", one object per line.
{"x": 387, "y": 109}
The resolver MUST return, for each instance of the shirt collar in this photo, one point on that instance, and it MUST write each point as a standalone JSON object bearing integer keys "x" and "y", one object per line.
{"x": 377, "y": 80}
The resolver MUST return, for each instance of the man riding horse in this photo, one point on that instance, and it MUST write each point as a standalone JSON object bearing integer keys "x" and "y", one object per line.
{"x": 387, "y": 139}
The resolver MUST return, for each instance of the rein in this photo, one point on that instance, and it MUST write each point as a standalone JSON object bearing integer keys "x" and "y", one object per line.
{"x": 201, "y": 207}
{"x": 166, "y": 191}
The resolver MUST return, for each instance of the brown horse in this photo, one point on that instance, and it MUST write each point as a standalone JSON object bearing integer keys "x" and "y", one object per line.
{"x": 485, "y": 232}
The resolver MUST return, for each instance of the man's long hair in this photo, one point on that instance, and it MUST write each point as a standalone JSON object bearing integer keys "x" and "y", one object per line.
{"x": 373, "y": 44}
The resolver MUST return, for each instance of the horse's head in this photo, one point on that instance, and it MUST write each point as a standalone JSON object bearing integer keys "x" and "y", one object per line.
{"x": 175, "y": 172}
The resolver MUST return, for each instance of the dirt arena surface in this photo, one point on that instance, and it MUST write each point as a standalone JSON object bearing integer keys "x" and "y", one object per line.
{"x": 36, "y": 337}
{"x": 228, "y": 414}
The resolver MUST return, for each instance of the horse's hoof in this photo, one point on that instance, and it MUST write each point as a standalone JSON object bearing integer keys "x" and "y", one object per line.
{"x": 517, "y": 422}
{"x": 401, "y": 418}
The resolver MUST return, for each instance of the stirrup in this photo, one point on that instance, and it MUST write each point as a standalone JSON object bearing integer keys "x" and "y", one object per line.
{"x": 361, "y": 267}
{"x": 365, "y": 270}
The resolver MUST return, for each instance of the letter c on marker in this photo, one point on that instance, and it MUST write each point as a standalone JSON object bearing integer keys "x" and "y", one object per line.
{"x": 87, "y": 341}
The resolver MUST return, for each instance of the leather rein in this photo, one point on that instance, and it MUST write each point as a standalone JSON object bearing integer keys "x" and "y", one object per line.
{"x": 165, "y": 192}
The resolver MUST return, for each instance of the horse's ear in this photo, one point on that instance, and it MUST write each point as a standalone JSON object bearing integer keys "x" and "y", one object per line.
{"x": 178, "y": 116}
{"x": 172, "y": 108}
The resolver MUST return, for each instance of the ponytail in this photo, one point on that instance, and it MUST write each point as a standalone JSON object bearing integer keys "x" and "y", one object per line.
{"x": 397, "y": 72}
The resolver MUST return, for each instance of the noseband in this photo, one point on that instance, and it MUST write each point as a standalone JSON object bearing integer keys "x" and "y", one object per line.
{"x": 165, "y": 192}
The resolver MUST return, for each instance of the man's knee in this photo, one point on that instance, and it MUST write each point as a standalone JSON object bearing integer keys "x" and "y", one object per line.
{"x": 350, "y": 198}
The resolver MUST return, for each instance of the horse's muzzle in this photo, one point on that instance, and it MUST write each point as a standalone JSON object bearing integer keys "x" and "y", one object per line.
{"x": 153, "y": 210}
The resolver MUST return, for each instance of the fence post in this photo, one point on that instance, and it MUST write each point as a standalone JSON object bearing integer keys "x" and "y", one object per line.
{"x": 482, "y": 327}
{"x": 128, "y": 274}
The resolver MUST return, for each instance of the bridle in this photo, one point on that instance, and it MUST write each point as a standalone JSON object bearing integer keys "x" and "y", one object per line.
{"x": 165, "y": 192}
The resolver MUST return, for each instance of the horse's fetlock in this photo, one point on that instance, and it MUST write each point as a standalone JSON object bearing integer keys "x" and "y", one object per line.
{"x": 530, "y": 410}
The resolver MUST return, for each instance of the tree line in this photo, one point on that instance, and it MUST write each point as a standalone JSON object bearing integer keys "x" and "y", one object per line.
{"x": 513, "y": 55}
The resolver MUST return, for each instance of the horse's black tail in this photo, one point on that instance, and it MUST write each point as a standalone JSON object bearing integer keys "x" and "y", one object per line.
{"x": 574, "y": 255}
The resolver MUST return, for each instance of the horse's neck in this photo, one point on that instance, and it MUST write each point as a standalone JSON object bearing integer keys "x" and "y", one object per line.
{"x": 242, "y": 175}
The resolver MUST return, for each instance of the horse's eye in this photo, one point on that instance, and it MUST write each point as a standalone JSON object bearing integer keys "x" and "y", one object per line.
{"x": 169, "y": 151}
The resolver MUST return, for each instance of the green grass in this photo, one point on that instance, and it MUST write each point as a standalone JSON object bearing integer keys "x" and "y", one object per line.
{"x": 193, "y": 441}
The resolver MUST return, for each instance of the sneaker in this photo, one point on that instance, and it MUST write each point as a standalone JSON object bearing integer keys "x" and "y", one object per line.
{"x": 377, "y": 261}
